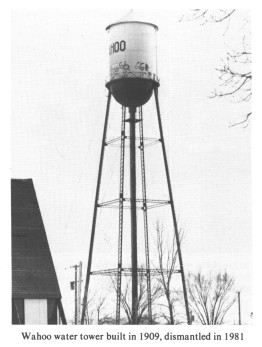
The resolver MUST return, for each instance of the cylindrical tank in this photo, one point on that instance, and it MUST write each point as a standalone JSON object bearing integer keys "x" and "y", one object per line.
{"x": 132, "y": 61}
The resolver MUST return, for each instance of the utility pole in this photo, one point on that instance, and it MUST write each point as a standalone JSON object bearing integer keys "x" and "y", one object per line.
{"x": 75, "y": 267}
{"x": 76, "y": 292}
{"x": 239, "y": 309}
{"x": 79, "y": 294}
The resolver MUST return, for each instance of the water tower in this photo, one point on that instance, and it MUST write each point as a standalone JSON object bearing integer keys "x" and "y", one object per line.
{"x": 132, "y": 81}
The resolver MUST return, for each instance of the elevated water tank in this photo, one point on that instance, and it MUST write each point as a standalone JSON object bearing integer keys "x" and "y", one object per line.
{"x": 132, "y": 60}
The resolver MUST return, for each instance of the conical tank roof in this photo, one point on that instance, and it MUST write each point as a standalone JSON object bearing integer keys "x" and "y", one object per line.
{"x": 132, "y": 17}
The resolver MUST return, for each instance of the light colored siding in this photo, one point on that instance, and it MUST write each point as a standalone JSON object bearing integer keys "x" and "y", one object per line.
{"x": 35, "y": 311}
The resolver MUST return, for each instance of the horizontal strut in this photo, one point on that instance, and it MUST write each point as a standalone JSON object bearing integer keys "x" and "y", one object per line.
{"x": 150, "y": 203}
{"x": 150, "y": 141}
{"x": 128, "y": 272}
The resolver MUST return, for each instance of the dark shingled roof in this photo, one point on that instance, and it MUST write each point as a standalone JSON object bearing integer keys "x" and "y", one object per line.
{"x": 33, "y": 272}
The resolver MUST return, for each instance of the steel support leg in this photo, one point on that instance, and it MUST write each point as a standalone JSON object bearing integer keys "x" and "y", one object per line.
{"x": 132, "y": 111}
{"x": 172, "y": 207}
{"x": 121, "y": 203}
{"x": 95, "y": 211}
{"x": 143, "y": 175}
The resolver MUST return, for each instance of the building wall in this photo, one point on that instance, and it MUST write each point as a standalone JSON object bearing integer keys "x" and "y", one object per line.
{"x": 36, "y": 311}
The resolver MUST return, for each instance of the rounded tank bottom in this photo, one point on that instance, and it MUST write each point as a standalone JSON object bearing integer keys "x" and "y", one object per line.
{"x": 131, "y": 92}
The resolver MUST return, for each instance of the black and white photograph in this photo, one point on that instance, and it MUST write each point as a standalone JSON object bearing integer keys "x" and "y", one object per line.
{"x": 130, "y": 181}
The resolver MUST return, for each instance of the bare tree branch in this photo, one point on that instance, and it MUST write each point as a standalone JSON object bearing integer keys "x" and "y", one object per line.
{"x": 206, "y": 16}
{"x": 210, "y": 298}
{"x": 167, "y": 253}
{"x": 126, "y": 300}
{"x": 235, "y": 73}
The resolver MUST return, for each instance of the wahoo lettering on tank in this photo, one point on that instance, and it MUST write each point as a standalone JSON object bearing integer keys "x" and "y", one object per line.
{"x": 132, "y": 61}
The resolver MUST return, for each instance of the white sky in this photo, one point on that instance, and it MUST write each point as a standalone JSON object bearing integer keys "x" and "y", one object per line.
{"x": 59, "y": 64}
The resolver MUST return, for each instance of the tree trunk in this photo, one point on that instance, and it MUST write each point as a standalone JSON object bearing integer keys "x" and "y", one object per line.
{"x": 170, "y": 308}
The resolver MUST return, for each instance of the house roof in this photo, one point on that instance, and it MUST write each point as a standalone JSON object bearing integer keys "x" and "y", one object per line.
{"x": 33, "y": 272}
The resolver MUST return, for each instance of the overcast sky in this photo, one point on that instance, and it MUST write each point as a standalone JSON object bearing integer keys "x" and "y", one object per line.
{"x": 59, "y": 66}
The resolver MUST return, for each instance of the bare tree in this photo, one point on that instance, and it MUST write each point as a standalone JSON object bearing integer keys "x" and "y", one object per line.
{"x": 95, "y": 308}
{"x": 210, "y": 298}
{"x": 126, "y": 300}
{"x": 100, "y": 306}
{"x": 89, "y": 314}
{"x": 167, "y": 258}
{"x": 234, "y": 73}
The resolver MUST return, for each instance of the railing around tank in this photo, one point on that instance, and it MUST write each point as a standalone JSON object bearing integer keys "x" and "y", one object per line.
{"x": 131, "y": 74}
